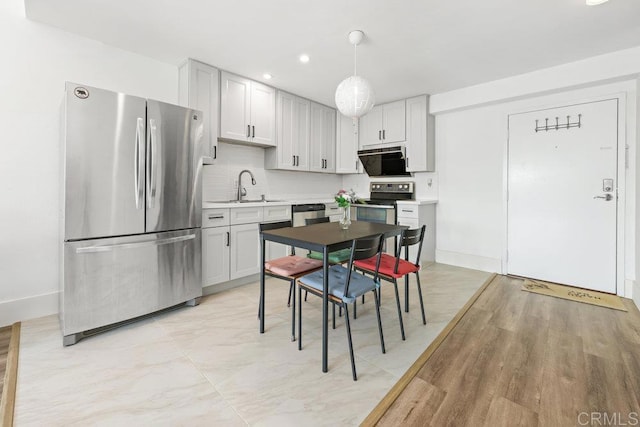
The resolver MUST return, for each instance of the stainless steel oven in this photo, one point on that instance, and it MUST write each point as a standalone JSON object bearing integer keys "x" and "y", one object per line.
{"x": 381, "y": 206}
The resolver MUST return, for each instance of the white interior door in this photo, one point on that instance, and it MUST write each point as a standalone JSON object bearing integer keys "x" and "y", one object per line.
{"x": 562, "y": 201}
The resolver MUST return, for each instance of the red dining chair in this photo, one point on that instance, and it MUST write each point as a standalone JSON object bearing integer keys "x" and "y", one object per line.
{"x": 394, "y": 267}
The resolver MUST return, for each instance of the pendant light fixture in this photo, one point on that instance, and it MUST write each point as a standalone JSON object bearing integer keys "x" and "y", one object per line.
{"x": 354, "y": 95}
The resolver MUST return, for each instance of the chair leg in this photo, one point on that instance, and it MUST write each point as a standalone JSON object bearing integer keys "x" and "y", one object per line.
{"x": 363, "y": 299}
{"x": 376, "y": 298}
{"x": 293, "y": 311}
{"x": 355, "y": 313}
{"x": 424, "y": 319}
{"x": 305, "y": 296}
{"x": 395, "y": 287}
{"x": 340, "y": 311}
{"x": 353, "y": 362}
{"x": 334, "y": 316}
{"x": 290, "y": 292}
{"x": 299, "y": 318}
{"x": 406, "y": 293}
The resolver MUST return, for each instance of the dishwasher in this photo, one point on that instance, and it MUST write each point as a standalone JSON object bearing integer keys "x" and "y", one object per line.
{"x": 308, "y": 210}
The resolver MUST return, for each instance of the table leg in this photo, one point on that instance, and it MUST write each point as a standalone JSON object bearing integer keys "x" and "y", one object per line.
{"x": 261, "y": 304}
{"x": 325, "y": 308}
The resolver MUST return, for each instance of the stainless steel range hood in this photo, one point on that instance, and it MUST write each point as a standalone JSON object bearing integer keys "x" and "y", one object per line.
{"x": 384, "y": 161}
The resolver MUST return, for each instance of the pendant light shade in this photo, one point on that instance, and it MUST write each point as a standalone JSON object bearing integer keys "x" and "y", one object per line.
{"x": 354, "y": 95}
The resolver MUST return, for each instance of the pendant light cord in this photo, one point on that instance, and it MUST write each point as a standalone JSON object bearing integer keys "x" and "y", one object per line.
{"x": 355, "y": 59}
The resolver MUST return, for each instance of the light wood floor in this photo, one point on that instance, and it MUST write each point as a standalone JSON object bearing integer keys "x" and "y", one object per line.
{"x": 518, "y": 358}
{"x": 5, "y": 337}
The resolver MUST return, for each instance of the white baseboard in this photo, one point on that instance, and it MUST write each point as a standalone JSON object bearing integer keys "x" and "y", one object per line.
{"x": 491, "y": 265}
{"x": 28, "y": 308}
{"x": 214, "y": 289}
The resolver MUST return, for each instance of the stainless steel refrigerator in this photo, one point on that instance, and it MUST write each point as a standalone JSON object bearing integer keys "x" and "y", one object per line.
{"x": 132, "y": 209}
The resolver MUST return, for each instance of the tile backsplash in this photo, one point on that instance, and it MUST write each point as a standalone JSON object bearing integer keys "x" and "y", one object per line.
{"x": 220, "y": 180}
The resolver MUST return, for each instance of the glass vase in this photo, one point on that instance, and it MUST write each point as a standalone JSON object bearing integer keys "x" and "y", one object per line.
{"x": 345, "y": 220}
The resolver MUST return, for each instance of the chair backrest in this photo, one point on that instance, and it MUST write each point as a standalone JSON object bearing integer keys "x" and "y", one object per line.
{"x": 365, "y": 249}
{"x": 274, "y": 225}
{"x": 410, "y": 237}
{"x": 309, "y": 221}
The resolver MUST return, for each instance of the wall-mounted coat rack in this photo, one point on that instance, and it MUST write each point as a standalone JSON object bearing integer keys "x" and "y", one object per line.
{"x": 558, "y": 125}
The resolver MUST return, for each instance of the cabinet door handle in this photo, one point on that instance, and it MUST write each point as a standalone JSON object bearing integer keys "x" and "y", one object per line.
{"x": 356, "y": 165}
{"x": 254, "y": 131}
{"x": 384, "y": 132}
{"x": 297, "y": 160}
{"x": 294, "y": 161}
{"x": 215, "y": 151}
{"x": 407, "y": 162}
{"x": 228, "y": 238}
{"x": 216, "y": 216}
{"x": 380, "y": 135}
{"x": 248, "y": 131}
{"x": 407, "y": 210}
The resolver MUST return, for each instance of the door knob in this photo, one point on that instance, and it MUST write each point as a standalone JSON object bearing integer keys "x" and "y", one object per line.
{"x": 607, "y": 197}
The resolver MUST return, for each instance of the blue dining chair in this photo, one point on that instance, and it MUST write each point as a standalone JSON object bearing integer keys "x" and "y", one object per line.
{"x": 344, "y": 286}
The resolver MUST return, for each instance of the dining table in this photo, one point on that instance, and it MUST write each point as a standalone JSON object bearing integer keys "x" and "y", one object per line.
{"x": 324, "y": 238}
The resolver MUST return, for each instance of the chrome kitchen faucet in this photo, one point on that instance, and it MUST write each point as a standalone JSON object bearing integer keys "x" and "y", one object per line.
{"x": 241, "y": 190}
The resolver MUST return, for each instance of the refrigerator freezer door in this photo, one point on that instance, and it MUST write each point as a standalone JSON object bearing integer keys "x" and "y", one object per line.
{"x": 112, "y": 280}
{"x": 174, "y": 196}
{"x": 104, "y": 151}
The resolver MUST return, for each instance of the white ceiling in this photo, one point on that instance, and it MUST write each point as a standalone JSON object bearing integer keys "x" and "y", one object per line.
{"x": 411, "y": 46}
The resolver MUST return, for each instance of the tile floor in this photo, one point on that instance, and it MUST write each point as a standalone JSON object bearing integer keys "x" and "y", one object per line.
{"x": 208, "y": 365}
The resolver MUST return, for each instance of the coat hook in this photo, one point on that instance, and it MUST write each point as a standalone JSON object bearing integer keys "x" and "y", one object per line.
{"x": 556, "y": 123}
{"x": 546, "y": 124}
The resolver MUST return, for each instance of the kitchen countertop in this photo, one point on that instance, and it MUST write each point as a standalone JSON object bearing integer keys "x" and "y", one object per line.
{"x": 419, "y": 202}
{"x": 226, "y": 205}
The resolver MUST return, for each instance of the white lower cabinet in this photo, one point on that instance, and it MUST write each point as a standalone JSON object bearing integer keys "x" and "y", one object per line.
{"x": 215, "y": 255}
{"x": 231, "y": 241}
{"x": 245, "y": 250}
{"x": 416, "y": 215}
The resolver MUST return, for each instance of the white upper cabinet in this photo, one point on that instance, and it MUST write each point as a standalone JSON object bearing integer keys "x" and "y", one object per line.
{"x": 385, "y": 123}
{"x": 393, "y": 122}
{"x": 292, "y": 134}
{"x": 247, "y": 110}
{"x": 322, "y": 140}
{"x": 263, "y": 114}
{"x": 420, "y": 151}
{"x": 371, "y": 127}
{"x": 199, "y": 86}
{"x": 346, "y": 144}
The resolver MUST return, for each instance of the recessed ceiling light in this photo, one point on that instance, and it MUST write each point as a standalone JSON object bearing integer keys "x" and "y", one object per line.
{"x": 267, "y": 76}
{"x": 304, "y": 58}
{"x": 595, "y": 2}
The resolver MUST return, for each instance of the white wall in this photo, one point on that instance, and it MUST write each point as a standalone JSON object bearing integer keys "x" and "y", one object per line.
{"x": 37, "y": 60}
{"x": 471, "y": 151}
{"x": 220, "y": 180}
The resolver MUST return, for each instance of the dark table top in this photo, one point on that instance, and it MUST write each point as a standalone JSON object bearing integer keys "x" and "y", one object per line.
{"x": 329, "y": 234}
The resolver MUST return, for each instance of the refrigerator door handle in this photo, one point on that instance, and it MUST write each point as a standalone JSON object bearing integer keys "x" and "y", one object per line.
{"x": 152, "y": 165}
{"x": 106, "y": 248}
{"x": 137, "y": 167}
